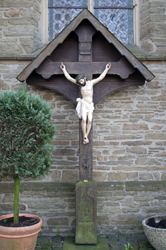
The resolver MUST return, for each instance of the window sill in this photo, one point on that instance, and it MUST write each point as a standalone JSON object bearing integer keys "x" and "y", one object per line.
{"x": 143, "y": 55}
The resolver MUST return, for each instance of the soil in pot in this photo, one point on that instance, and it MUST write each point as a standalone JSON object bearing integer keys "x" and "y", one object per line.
{"x": 157, "y": 223}
{"x": 23, "y": 222}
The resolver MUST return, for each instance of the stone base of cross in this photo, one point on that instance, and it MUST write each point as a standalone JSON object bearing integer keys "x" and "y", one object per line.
{"x": 86, "y": 212}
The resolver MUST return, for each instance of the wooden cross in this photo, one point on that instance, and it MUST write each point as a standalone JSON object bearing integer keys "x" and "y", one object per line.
{"x": 88, "y": 67}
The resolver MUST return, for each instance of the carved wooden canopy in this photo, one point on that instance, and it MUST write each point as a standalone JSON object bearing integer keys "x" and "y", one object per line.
{"x": 85, "y": 46}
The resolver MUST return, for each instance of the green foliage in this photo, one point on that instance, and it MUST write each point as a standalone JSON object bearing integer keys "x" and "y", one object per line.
{"x": 26, "y": 131}
{"x": 128, "y": 246}
{"x": 58, "y": 232}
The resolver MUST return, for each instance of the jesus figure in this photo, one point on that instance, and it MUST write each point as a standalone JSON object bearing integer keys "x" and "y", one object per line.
{"x": 85, "y": 106}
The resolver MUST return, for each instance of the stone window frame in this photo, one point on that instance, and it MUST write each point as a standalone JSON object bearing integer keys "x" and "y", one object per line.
{"x": 136, "y": 20}
{"x": 44, "y": 21}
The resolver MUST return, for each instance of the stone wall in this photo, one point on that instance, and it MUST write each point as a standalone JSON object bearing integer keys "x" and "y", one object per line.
{"x": 129, "y": 132}
{"x": 153, "y": 26}
{"x": 19, "y": 32}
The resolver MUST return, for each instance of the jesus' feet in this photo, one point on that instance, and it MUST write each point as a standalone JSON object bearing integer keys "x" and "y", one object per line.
{"x": 85, "y": 141}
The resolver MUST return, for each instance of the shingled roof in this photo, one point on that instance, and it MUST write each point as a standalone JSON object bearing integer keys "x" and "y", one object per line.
{"x": 85, "y": 14}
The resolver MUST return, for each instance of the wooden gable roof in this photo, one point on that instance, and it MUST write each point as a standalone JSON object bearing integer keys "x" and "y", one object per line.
{"x": 85, "y": 15}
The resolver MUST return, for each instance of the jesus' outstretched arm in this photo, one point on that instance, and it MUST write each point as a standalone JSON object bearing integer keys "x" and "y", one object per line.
{"x": 66, "y": 74}
{"x": 103, "y": 74}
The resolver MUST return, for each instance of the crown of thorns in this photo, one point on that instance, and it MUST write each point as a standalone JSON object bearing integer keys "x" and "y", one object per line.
{"x": 79, "y": 77}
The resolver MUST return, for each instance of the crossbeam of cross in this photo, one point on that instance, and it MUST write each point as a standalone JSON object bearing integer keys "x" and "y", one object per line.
{"x": 49, "y": 68}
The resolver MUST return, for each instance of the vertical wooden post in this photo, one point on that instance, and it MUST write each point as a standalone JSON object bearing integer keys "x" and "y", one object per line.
{"x": 86, "y": 198}
{"x": 85, "y": 156}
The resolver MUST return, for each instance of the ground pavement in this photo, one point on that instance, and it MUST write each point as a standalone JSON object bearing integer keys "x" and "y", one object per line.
{"x": 109, "y": 242}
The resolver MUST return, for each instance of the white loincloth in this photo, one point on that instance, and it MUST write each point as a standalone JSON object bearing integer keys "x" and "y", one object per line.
{"x": 86, "y": 105}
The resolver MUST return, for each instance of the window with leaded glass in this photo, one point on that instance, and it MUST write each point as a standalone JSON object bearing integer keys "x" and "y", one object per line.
{"x": 116, "y": 15}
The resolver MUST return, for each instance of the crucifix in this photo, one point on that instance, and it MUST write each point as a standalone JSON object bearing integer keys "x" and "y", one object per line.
{"x": 86, "y": 218}
{"x": 85, "y": 46}
{"x": 85, "y": 105}
{"x": 86, "y": 195}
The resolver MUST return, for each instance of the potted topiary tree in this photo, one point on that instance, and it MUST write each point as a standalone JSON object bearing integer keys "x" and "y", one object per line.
{"x": 26, "y": 131}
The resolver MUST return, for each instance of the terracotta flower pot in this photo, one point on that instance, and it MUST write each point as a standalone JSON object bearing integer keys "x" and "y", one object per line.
{"x": 19, "y": 238}
{"x": 156, "y": 236}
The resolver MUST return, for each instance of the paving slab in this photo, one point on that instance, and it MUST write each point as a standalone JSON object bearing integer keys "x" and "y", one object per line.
{"x": 133, "y": 241}
{"x": 69, "y": 244}
{"x": 48, "y": 243}
{"x": 44, "y": 243}
{"x": 113, "y": 242}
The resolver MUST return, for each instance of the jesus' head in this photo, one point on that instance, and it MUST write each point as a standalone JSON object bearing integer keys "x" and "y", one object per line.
{"x": 81, "y": 80}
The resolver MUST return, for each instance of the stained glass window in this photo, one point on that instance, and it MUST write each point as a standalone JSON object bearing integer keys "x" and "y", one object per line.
{"x": 61, "y": 12}
{"x": 116, "y": 15}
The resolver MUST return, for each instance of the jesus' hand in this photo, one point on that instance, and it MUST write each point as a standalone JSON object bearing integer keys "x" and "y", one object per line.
{"x": 62, "y": 66}
{"x": 108, "y": 66}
